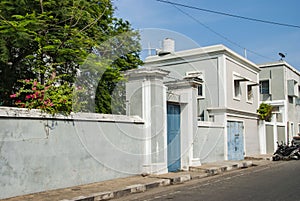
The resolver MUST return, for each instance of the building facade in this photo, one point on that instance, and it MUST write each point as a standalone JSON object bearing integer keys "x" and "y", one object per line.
{"x": 279, "y": 87}
{"x": 214, "y": 92}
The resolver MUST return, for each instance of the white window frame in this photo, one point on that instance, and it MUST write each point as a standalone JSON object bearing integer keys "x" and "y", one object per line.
{"x": 239, "y": 95}
{"x": 252, "y": 94}
{"x": 194, "y": 74}
{"x": 203, "y": 91}
{"x": 238, "y": 78}
{"x": 264, "y": 80}
{"x": 278, "y": 112}
{"x": 294, "y": 90}
{"x": 199, "y": 117}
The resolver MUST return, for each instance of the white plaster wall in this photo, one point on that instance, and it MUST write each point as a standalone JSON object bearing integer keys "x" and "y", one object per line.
{"x": 293, "y": 109}
{"x": 252, "y": 138}
{"x": 262, "y": 137}
{"x": 234, "y": 68}
{"x": 208, "y": 144}
{"x": 42, "y": 153}
{"x": 146, "y": 97}
{"x": 157, "y": 111}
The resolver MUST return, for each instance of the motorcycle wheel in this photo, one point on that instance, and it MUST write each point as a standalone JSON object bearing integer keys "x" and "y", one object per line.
{"x": 276, "y": 158}
{"x": 298, "y": 155}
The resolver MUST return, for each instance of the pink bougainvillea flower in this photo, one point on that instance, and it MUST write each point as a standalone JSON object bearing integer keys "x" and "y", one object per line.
{"x": 13, "y": 96}
{"x": 34, "y": 88}
{"x": 35, "y": 83}
{"x": 28, "y": 96}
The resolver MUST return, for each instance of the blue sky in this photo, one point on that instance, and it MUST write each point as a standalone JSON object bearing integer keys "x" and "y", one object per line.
{"x": 157, "y": 21}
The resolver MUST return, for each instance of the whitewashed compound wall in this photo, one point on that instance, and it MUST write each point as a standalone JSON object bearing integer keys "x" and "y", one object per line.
{"x": 40, "y": 152}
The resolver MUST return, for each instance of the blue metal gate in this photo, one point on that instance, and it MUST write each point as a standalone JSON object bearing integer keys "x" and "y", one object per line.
{"x": 173, "y": 137}
{"x": 235, "y": 140}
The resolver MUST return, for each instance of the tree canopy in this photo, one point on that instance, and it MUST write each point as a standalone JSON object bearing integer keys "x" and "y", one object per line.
{"x": 44, "y": 39}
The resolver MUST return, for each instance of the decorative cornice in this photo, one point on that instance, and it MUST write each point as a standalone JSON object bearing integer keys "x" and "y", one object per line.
{"x": 146, "y": 72}
{"x": 187, "y": 83}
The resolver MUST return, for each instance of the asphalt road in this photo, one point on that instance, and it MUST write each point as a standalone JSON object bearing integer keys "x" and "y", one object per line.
{"x": 278, "y": 181}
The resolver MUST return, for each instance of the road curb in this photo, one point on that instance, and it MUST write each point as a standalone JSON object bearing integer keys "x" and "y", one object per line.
{"x": 218, "y": 169}
{"x": 180, "y": 179}
{"x": 263, "y": 157}
{"x": 136, "y": 188}
{"x": 165, "y": 180}
{"x": 125, "y": 186}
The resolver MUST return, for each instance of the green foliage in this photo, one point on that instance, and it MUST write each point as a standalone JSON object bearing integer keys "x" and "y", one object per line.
{"x": 39, "y": 38}
{"x": 265, "y": 112}
{"x": 106, "y": 87}
{"x": 104, "y": 68}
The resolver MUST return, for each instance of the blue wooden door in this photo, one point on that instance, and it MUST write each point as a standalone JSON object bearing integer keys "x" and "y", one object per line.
{"x": 235, "y": 140}
{"x": 173, "y": 137}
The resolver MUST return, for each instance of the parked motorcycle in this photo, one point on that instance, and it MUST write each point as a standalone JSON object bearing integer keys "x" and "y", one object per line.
{"x": 286, "y": 152}
{"x": 296, "y": 139}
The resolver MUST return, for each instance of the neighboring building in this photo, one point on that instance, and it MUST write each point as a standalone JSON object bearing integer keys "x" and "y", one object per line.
{"x": 212, "y": 98}
{"x": 279, "y": 87}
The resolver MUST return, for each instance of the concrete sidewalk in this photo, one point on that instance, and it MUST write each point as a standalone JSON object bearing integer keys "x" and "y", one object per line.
{"x": 120, "y": 187}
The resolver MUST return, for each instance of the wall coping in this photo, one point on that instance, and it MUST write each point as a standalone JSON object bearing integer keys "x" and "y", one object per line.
{"x": 232, "y": 111}
{"x": 13, "y": 112}
{"x": 207, "y": 124}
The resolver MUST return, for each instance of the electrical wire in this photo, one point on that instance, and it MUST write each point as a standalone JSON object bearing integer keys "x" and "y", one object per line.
{"x": 230, "y": 15}
{"x": 220, "y": 35}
